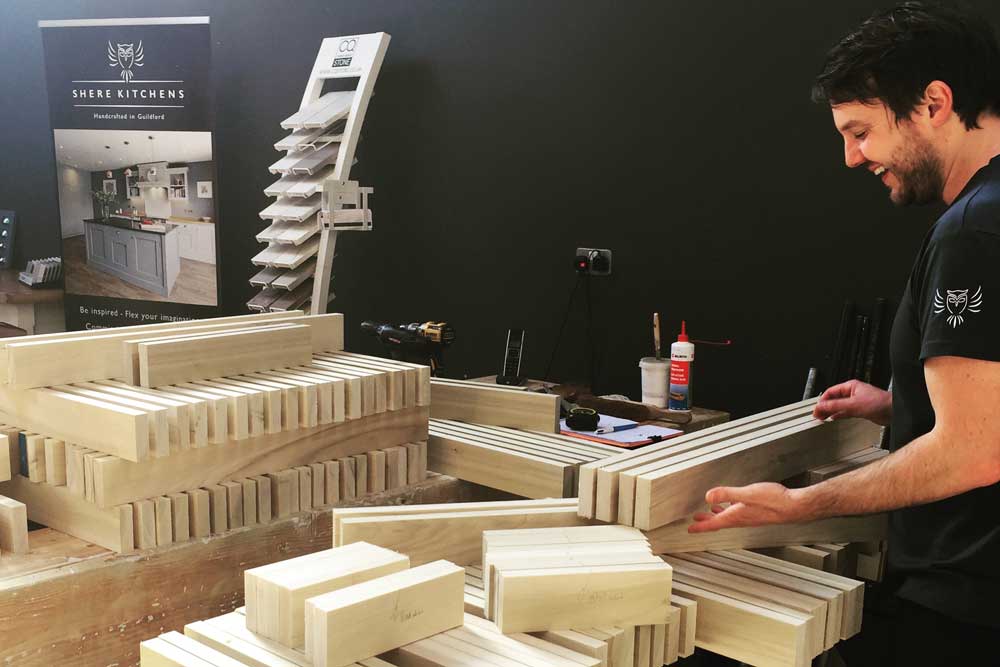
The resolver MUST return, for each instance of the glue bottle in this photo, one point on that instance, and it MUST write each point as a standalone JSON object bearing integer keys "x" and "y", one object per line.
{"x": 681, "y": 360}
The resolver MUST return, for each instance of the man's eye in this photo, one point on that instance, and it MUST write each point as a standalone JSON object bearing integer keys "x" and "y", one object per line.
{"x": 860, "y": 135}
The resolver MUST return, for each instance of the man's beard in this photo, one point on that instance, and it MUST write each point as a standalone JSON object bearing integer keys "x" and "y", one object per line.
{"x": 919, "y": 172}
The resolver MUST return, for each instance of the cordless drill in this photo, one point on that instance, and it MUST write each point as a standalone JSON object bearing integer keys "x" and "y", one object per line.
{"x": 419, "y": 343}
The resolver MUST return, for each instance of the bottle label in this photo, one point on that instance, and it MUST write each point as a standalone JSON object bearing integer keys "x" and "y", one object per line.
{"x": 680, "y": 382}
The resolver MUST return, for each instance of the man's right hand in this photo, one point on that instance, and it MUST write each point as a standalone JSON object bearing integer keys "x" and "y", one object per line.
{"x": 855, "y": 399}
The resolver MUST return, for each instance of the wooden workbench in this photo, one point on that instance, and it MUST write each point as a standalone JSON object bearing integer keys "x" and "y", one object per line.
{"x": 73, "y": 603}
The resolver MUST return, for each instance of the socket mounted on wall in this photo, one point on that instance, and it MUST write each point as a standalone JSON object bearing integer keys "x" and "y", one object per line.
{"x": 593, "y": 261}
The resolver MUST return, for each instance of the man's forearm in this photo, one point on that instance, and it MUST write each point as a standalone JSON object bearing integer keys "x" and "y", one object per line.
{"x": 927, "y": 469}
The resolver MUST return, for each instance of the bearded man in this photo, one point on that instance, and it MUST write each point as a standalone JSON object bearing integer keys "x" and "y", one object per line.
{"x": 915, "y": 93}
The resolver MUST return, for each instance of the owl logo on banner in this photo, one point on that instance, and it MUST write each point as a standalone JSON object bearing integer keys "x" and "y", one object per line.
{"x": 957, "y": 303}
{"x": 125, "y": 56}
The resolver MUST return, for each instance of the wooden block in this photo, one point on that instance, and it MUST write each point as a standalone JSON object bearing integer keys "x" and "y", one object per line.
{"x": 10, "y": 456}
{"x": 578, "y": 597}
{"x": 318, "y": 484}
{"x": 180, "y": 517}
{"x": 416, "y": 462}
{"x": 234, "y": 504}
{"x": 268, "y": 400}
{"x": 199, "y": 513}
{"x": 814, "y": 558}
{"x": 671, "y": 640}
{"x": 678, "y": 489}
{"x": 295, "y": 495}
{"x": 177, "y": 413}
{"x": 281, "y": 493}
{"x": 674, "y": 538}
{"x": 264, "y": 502}
{"x": 249, "y": 406}
{"x": 205, "y": 655}
{"x": 578, "y": 642}
{"x": 35, "y": 453}
{"x": 126, "y": 528}
{"x": 360, "y": 474}
{"x": 163, "y": 511}
{"x": 686, "y": 625}
{"x": 347, "y": 479}
{"x": 218, "y": 508}
{"x": 158, "y": 653}
{"x": 485, "y": 404}
{"x": 144, "y": 517}
{"x": 5, "y": 458}
{"x": 250, "y": 501}
{"x": 117, "y": 480}
{"x": 228, "y": 634}
{"x": 170, "y": 361}
{"x": 376, "y": 471}
{"x": 534, "y": 652}
{"x": 643, "y": 645}
{"x": 89, "y": 478}
{"x": 395, "y": 467}
{"x": 74, "y": 470}
{"x": 55, "y": 462}
{"x": 157, "y": 419}
{"x": 216, "y": 411}
{"x": 279, "y": 591}
{"x": 746, "y": 632}
{"x": 99, "y": 425}
{"x": 305, "y": 488}
{"x": 13, "y": 526}
{"x": 398, "y": 609}
{"x": 332, "y": 481}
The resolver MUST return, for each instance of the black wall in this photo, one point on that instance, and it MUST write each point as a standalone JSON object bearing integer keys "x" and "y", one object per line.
{"x": 504, "y": 134}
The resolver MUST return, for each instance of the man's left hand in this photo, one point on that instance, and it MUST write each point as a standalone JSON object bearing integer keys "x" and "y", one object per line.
{"x": 753, "y": 505}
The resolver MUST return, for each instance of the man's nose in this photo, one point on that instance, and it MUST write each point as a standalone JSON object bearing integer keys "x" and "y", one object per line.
{"x": 853, "y": 157}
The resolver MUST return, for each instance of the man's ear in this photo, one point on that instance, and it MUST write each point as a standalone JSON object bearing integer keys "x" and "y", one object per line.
{"x": 940, "y": 102}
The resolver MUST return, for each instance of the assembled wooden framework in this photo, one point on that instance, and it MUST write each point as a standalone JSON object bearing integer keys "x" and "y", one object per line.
{"x": 314, "y": 198}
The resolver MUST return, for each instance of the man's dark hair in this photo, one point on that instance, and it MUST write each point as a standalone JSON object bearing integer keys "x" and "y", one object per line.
{"x": 894, "y": 55}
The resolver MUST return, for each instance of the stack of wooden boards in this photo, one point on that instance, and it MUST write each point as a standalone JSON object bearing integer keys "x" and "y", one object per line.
{"x": 106, "y": 453}
{"x": 664, "y": 483}
{"x": 495, "y": 405}
{"x": 612, "y": 646}
{"x": 576, "y": 577}
{"x": 525, "y": 463}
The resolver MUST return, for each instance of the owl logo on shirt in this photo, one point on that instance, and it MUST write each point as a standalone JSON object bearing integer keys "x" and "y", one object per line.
{"x": 957, "y": 303}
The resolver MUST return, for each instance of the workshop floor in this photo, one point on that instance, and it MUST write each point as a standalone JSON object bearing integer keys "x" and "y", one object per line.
{"x": 195, "y": 282}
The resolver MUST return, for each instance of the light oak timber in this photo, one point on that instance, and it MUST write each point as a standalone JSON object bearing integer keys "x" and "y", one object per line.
{"x": 416, "y": 462}
{"x": 216, "y": 407}
{"x": 218, "y": 499}
{"x": 305, "y": 487}
{"x": 276, "y": 593}
{"x": 300, "y": 400}
{"x": 159, "y": 428}
{"x": 599, "y": 481}
{"x": 164, "y": 521}
{"x": 746, "y": 632}
{"x": 585, "y": 536}
{"x": 524, "y": 474}
{"x": 833, "y": 598}
{"x": 322, "y": 385}
{"x": 361, "y": 474}
{"x": 454, "y": 536}
{"x": 340, "y": 513}
{"x": 282, "y": 409}
{"x": 379, "y": 615}
{"x": 40, "y": 361}
{"x": 171, "y": 361}
{"x": 180, "y": 517}
{"x": 55, "y": 461}
{"x": 348, "y": 479}
{"x": 178, "y": 418}
{"x": 397, "y": 380}
{"x": 176, "y": 649}
{"x": 556, "y": 447}
{"x": 573, "y": 597}
{"x": 807, "y": 556}
{"x": 56, "y": 507}
{"x": 117, "y": 481}
{"x": 674, "y": 538}
{"x": 763, "y": 595}
{"x": 333, "y": 482}
{"x": 248, "y": 649}
{"x": 9, "y": 453}
{"x": 526, "y": 654}
{"x": 196, "y": 410}
{"x": 13, "y": 526}
{"x": 295, "y": 491}
{"x": 34, "y": 446}
{"x": 395, "y": 467}
{"x": 853, "y": 590}
{"x": 88, "y": 473}
{"x": 319, "y": 484}
{"x": 482, "y": 404}
{"x": 578, "y": 642}
{"x": 573, "y": 657}
{"x": 376, "y": 471}
{"x": 262, "y": 485}
{"x": 482, "y": 649}
{"x": 33, "y": 586}
{"x": 74, "y": 469}
{"x": 671, "y": 640}
{"x": 268, "y": 400}
{"x": 98, "y": 425}
{"x": 422, "y": 387}
{"x": 250, "y": 403}
{"x": 144, "y": 524}
{"x": 248, "y": 488}
{"x": 199, "y": 513}
{"x": 678, "y": 490}
{"x": 234, "y": 503}
{"x": 281, "y": 492}
{"x": 643, "y": 645}
{"x": 359, "y": 392}
{"x": 622, "y": 649}
{"x": 375, "y": 383}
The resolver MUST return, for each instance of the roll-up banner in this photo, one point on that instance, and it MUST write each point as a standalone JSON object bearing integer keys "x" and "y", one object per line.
{"x": 130, "y": 104}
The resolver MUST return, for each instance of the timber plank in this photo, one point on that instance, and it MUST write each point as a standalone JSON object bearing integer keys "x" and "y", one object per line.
{"x": 482, "y": 404}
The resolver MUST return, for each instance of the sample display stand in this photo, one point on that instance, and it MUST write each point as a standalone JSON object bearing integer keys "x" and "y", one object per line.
{"x": 314, "y": 198}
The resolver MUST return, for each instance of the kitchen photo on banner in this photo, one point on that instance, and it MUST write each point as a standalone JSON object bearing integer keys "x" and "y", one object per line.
{"x": 132, "y": 128}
